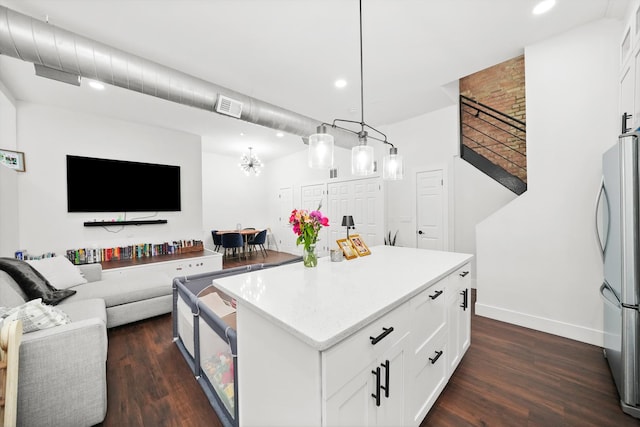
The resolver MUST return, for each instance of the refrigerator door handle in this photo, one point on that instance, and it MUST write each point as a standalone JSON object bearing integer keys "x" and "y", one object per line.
{"x": 606, "y": 287}
{"x": 601, "y": 191}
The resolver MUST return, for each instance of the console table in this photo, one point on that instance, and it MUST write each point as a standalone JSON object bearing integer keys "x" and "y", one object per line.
{"x": 182, "y": 264}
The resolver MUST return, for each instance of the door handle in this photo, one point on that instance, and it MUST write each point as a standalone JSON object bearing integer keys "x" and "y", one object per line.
{"x": 436, "y": 295}
{"x": 376, "y": 395}
{"x": 464, "y": 273}
{"x": 433, "y": 360}
{"x": 385, "y": 365}
{"x": 465, "y": 299}
{"x": 420, "y": 232}
{"x": 602, "y": 246}
{"x": 385, "y": 332}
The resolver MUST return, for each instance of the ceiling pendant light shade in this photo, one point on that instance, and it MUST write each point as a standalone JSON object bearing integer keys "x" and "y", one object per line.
{"x": 362, "y": 157}
{"x": 392, "y": 166}
{"x": 321, "y": 149}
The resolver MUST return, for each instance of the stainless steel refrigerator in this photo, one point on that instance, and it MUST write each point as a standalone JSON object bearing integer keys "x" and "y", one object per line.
{"x": 619, "y": 239}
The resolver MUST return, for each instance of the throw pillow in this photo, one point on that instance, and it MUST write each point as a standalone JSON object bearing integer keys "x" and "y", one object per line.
{"x": 34, "y": 315}
{"x": 59, "y": 271}
{"x": 32, "y": 283}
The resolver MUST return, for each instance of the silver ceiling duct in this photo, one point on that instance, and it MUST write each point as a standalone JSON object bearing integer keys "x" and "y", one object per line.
{"x": 63, "y": 55}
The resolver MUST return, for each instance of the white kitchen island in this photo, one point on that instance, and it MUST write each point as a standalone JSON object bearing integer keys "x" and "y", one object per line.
{"x": 370, "y": 341}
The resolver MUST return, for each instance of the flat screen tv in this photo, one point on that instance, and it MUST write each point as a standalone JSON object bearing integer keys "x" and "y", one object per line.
{"x": 104, "y": 185}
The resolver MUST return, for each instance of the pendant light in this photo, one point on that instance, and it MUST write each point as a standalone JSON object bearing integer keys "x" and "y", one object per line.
{"x": 362, "y": 155}
{"x": 250, "y": 164}
{"x": 321, "y": 149}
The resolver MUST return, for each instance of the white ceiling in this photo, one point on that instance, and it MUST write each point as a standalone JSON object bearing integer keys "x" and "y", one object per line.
{"x": 290, "y": 52}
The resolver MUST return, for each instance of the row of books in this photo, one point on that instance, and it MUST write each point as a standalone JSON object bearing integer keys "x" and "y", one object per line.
{"x": 141, "y": 250}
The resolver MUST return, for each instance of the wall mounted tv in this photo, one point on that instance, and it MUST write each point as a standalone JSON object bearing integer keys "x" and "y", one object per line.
{"x": 104, "y": 185}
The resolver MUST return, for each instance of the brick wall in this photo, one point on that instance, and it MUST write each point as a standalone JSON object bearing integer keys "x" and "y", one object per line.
{"x": 501, "y": 87}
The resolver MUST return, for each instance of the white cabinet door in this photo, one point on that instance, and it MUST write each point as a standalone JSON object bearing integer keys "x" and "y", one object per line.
{"x": 352, "y": 405}
{"x": 374, "y": 397}
{"x": 392, "y": 387}
{"x": 459, "y": 316}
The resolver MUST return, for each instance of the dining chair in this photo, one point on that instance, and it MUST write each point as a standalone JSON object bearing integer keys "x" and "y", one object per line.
{"x": 259, "y": 241}
{"x": 233, "y": 241}
{"x": 217, "y": 239}
{"x": 249, "y": 237}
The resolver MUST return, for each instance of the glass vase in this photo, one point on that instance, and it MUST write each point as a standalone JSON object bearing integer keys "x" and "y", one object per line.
{"x": 309, "y": 257}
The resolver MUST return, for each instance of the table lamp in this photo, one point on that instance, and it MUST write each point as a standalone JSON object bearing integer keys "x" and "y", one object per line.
{"x": 347, "y": 221}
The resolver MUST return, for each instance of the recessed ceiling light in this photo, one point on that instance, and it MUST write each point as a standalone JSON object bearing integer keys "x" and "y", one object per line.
{"x": 340, "y": 83}
{"x": 96, "y": 85}
{"x": 279, "y": 134}
{"x": 543, "y": 7}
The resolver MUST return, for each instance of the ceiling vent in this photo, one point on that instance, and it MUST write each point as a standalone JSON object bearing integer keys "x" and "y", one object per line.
{"x": 229, "y": 106}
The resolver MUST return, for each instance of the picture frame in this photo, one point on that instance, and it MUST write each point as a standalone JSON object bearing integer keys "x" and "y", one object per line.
{"x": 12, "y": 159}
{"x": 359, "y": 245}
{"x": 347, "y": 249}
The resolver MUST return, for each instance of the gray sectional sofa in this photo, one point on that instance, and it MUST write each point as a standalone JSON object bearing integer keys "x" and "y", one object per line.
{"x": 62, "y": 374}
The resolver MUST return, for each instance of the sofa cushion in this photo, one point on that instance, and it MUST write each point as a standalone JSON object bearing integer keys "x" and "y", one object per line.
{"x": 59, "y": 271}
{"x": 123, "y": 290}
{"x": 10, "y": 293}
{"x": 34, "y": 315}
{"x": 32, "y": 282}
{"x": 85, "y": 309}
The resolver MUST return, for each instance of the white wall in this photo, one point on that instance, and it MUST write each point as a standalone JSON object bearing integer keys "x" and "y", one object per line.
{"x": 9, "y": 237}
{"x": 425, "y": 142}
{"x": 48, "y": 134}
{"x": 229, "y": 197}
{"x": 538, "y": 265}
{"x": 431, "y": 141}
{"x": 476, "y": 196}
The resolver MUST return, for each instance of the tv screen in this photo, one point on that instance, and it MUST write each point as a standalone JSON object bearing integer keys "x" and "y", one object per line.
{"x": 103, "y": 185}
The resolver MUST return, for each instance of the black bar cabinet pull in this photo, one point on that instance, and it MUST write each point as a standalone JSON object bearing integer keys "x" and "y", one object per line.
{"x": 435, "y": 359}
{"x": 385, "y": 365}
{"x": 464, "y": 273}
{"x": 465, "y": 299}
{"x": 436, "y": 295}
{"x": 377, "y": 394}
{"x": 385, "y": 332}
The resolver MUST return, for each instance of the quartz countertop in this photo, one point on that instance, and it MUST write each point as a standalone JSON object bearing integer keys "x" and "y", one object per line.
{"x": 323, "y": 305}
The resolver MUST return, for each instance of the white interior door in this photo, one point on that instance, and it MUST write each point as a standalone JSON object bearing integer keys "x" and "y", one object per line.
{"x": 368, "y": 208}
{"x": 313, "y": 196}
{"x": 338, "y": 195}
{"x": 430, "y": 215}
{"x": 285, "y": 237}
{"x": 362, "y": 199}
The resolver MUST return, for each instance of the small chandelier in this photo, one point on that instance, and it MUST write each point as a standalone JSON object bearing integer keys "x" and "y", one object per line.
{"x": 362, "y": 155}
{"x": 250, "y": 163}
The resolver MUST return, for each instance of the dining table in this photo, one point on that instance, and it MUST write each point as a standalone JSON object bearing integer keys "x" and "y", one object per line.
{"x": 246, "y": 233}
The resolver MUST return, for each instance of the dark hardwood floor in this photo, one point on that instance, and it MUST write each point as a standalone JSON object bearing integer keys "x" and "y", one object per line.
{"x": 510, "y": 376}
{"x": 256, "y": 258}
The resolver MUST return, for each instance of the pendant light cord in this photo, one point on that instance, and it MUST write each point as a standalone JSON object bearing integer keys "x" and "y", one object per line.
{"x": 361, "y": 74}
{"x": 362, "y": 124}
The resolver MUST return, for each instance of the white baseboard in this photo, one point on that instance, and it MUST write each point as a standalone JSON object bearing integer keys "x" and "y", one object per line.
{"x": 550, "y": 326}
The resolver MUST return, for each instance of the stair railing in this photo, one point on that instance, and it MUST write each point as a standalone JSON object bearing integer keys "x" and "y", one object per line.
{"x": 493, "y": 135}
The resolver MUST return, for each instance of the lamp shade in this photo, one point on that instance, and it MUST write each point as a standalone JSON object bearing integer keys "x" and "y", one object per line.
{"x": 392, "y": 165}
{"x": 347, "y": 221}
{"x": 321, "y": 149}
{"x": 362, "y": 160}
